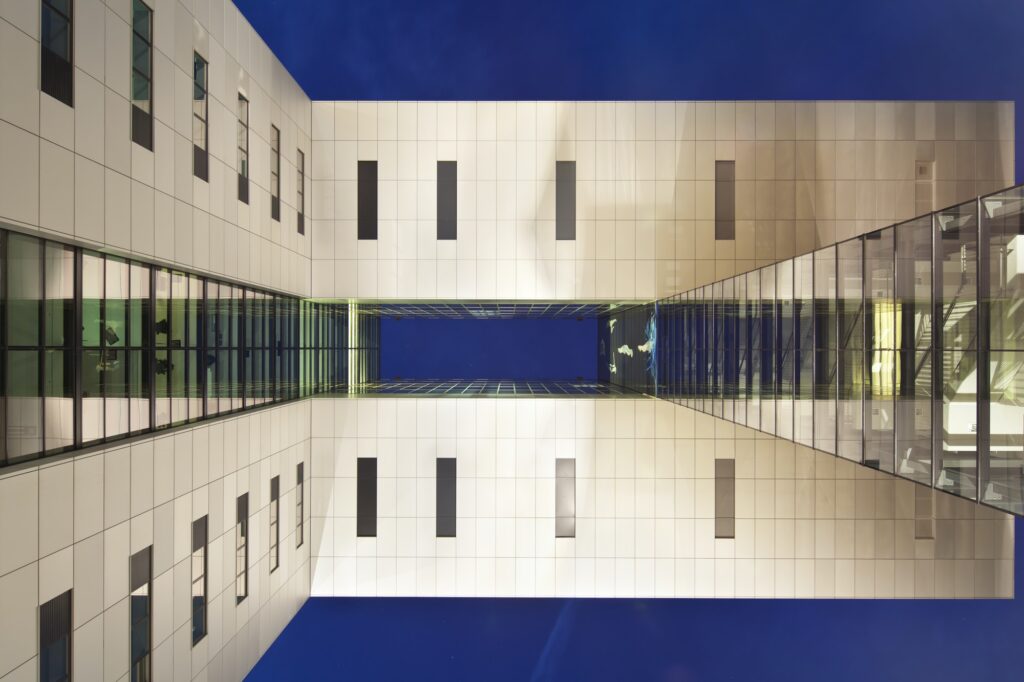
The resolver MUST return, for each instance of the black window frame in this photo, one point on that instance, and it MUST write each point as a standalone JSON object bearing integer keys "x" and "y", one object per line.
{"x": 275, "y": 523}
{"x": 200, "y": 93}
{"x": 200, "y": 609}
{"x": 55, "y": 632}
{"x": 242, "y": 147}
{"x": 142, "y": 118}
{"x": 241, "y": 547}
{"x": 140, "y": 567}
{"x": 57, "y": 73}
{"x": 275, "y": 173}
{"x": 300, "y": 190}
{"x": 300, "y": 503}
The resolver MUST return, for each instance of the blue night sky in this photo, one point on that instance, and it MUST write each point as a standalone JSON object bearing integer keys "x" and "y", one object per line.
{"x": 650, "y": 49}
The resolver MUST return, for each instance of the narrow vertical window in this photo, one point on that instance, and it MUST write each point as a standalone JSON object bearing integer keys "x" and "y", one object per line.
{"x": 366, "y": 202}
{"x": 142, "y": 74}
{"x": 198, "y": 580}
{"x": 275, "y": 525}
{"x": 141, "y": 575}
{"x": 241, "y": 548}
{"x": 725, "y": 498}
{"x": 725, "y": 199}
{"x": 275, "y": 173}
{"x": 924, "y": 513}
{"x": 366, "y": 497}
{"x": 243, "y": 149}
{"x": 300, "y": 503}
{"x": 200, "y": 116}
{"x": 565, "y": 200}
{"x": 446, "y": 514}
{"x": 565, "y": 498}
{"x": 56, "y": 73}
{"x": 447, "y": 200}
{"x": 55, "y": 639}
{"x": 300, "y": 190}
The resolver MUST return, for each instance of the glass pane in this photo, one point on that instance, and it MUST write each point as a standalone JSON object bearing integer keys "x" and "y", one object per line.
{"x": 92, "y": 300}
{"x": 957, "y": 247}
{"x": 24, "y": 407}
{"x": 850, "y": 360}
{"x": 162, "y": 324}
{"x": 115, "y": 330}
{"x": 139, "y": 306}
{"x": 140, "y": 56}
{"x": 179, "y": 301}
{"x": 60, "y": 295}
{"x": 784, "y": 355}
{"x": 141, "y": 23}
{"x": 879, "y": 424}
{"x": 58, "y": 400}
{"x": 768, "y": 349}
{"x": 803, "y": 381}
{"x": 93, "y": 372}
{"x": 24, "y": 289}
{"x": 56, "y": 35}
{"x": 825, "y": 343}
{"x": 138, "y": 400}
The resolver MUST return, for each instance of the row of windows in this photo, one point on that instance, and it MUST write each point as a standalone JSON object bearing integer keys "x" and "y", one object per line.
{"x": 55, "y": 622}
{"x": 57, "y": 80}
{"x": 447, "y": 200}
{"x": 94, "y": 347}
{"x": 445, "y": 497}
{"x": 902, "y": 349}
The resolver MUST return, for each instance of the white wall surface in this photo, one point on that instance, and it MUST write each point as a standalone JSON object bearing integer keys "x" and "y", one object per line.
{"x": 808, "y": 524}
{"x": 75, "y": 172}
{"x": 808, "y": 174}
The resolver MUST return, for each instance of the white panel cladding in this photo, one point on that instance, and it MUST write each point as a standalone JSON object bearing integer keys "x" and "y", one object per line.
{"x": 807, "y": 524}
{"x": 75, "y": 172}
{"x": 808, "y": 174}
{"x": 73, "y": 523}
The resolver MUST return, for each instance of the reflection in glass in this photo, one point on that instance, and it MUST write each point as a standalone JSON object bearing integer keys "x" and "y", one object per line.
{"x": 850, "y": 361}
{"x": 768, "y": 346}
{"x": 880, "y": 330}
{"x": 784, "y": 353}
{"x": 825, "y": 345}
{"x": 803, "y": 381}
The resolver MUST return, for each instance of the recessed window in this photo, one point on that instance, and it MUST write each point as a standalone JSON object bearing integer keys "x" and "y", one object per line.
{"x": 446, "y": 512}
{"x": 55, "y": 639}
{"x": 725, "y": 498}
{"x": 300, "y": 503}
{"x": 275, "y": 173}
{"x": 275, "y": 523}
{"x": 565, "y": 498}
{"x": 200, "y": 118}
{"x": 241, "y": 548}
{"x": 243, "y": 149}
{"x": 56, "y": 73}
{"x": 199, "y": 611}
{"x": 366, "y": 201}
{"x": 366, "y": 497}
{"x": 141, "y": 609}
{"x": 725, "y": 199}
{"x": 300, "y": 190}
{"x": 142, "y": 74}
{"x": 447, "y": 200}
{"x": 565, "y": 200}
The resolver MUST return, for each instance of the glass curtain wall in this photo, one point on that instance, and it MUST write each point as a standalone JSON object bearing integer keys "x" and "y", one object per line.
{"x": 901, "y": 349}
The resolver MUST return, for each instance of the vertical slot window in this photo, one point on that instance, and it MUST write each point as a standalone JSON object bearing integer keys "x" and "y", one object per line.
{"x": 565, "y": 200}
{"x": 275, "y": 173}
{"x": 275, "y": 523}
{"x": 447, "y": 200}
{"x": 141, "y": 575}
{"x": 142, "y": 74}
{"x": 565, "y": 498}
{"x": 366, "y": 497}
{"x": 56, "y": 71}
{"x": 445, "y": 498}
{"x": 725, "y": 498}
{"x": 725, "y": 199}
{"x": 55, "y": 639}
{"x": 200, "y": 118}
{"x": 199, "y": 562}
{"x": 366, "y": 202}
{"x": 241, "y": 548}
{"x": 300, "y": 190}
{"x": 300, "y": 503}
{"x": 242, "y": 160}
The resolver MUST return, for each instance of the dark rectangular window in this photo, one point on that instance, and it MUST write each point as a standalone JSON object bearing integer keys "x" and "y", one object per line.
{"x": 200, "y": 118}
{"x": 725, "y": 199}
{"x": 565, "y": 498}
{"x": 56, "y": 73}
{"x": 565, "y": 200}
{"x": 300, "y": 503}
{"x": 275, "y": 173}
{"x": 141, "y": 576}
{"x": 447, "y": 200}
{"x": 725, "y": 498}
{"x": 366, "y": 202}
{"x": 243, "y": 149}
{"x": 300, "y": 190}
{"x": 446, "y": 514}
{"x": 199, "y": 529}
{"x": 241, "y": 548}
{"x": 55, "y": 639}
{"x": 275, "y": 523}
{"x": 142, "y": 74}
{"x": 366, "y": 497}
